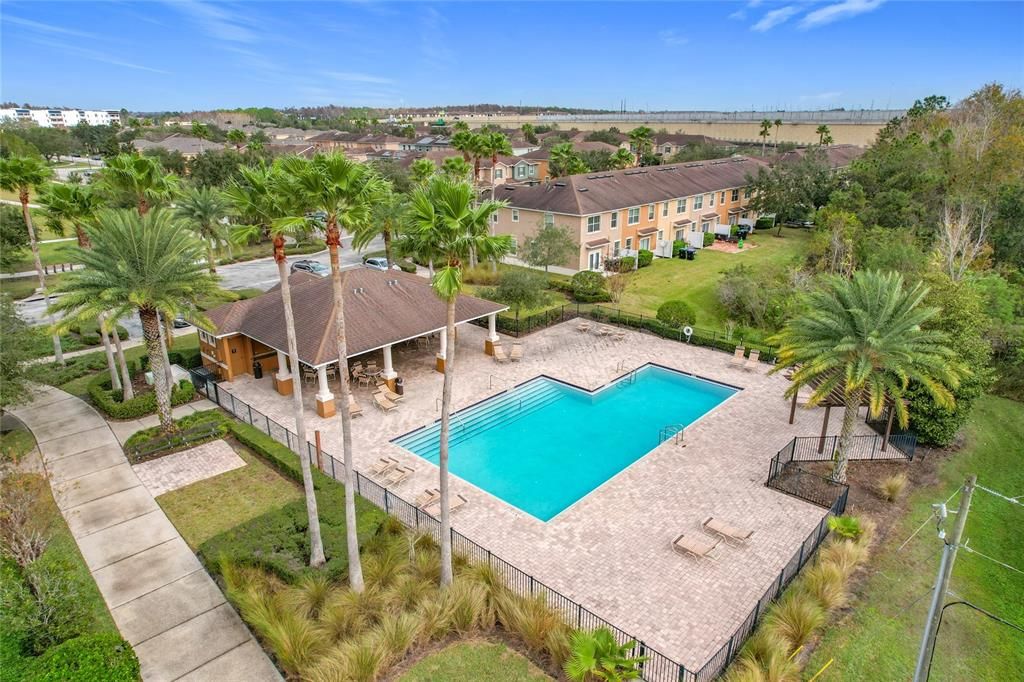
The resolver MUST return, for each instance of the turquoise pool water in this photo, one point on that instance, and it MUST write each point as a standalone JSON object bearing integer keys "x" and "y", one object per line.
{"x": 544, "y": 444}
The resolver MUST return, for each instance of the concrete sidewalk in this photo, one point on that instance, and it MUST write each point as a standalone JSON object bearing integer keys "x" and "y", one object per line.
{"x": 162, "y": 600}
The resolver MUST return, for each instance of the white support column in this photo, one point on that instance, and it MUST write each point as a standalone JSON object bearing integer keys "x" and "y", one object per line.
{"x": 442, "y": 352}
{"x": 492, "y": 327}
{"x": 282, "y": 367}
{"x": 324, "y": 394}
{"x": 389, "y": 370}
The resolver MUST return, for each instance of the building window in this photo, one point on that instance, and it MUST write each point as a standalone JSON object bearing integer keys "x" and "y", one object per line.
{"x": 515, "y": 244}
{"x": 531, "y": 171}
{"x": 679, "y": 235}
{"x": 744, "y": 215}
{"x": 664, "y": 209}
{"x": 705, "y": 227}
{"x": 549, "y": 219}
{"x": 520, "y": 171}
{"x": 634, "y": 216}
{"x": 629, "y": 243}
{"x": 515, "y": 215}
{"x": 494, "y": 217}
{"x": 615, "y": 219}
{"x": 735, "y": 195}
{"x": 721, "y": 198}
{"x": 594, "y": 223}
{"x": 645, "y": 243}
{"x": 711, "y": 199}
{"x": 698, "y": 202}
{"x": 594, "y": 260}
{"x": 746, "y": 193}
{"x": 650, "y": 211}
{"x": 499, "y": 174}
{"x": 681, "y": 206}
{"x": 615, "y": 247}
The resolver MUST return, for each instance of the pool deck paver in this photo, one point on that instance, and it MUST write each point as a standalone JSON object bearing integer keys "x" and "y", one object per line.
{"x": 162, "y": 600}
{"x": 610, "y": 551}
{"x": 184, "y": 468}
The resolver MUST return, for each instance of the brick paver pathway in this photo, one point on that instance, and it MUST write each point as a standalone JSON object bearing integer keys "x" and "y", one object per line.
{"x": 165, "y": 474}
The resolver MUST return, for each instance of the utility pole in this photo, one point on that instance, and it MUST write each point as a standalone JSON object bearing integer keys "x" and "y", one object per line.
{"x": 931, "y": 627}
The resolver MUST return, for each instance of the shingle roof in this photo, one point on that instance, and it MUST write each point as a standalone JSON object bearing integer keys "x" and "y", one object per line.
{"x": 598, "y": 192}
{"x": 839, "y": 156}
{"x": 179, "y": 143}
{"x": 380, "y": 308}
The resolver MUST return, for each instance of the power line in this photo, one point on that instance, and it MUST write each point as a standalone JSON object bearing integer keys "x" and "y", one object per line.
{"x": 926, "y": 521}
{"x": 985, "y": 556}
{"x": 1011, "y": 500}
{"x": 980, "y": 610}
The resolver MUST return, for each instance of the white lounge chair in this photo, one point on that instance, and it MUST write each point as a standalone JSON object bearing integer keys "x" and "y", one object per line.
{"x": 396, "y": 476}
{"x": 453, "y": 504}
{"x": 753, "y": 360}
{"x": 737, "y": 356}
{"x": 383, "y": 466}
{"x": 695, "y": 547}
{"x": 723, "y": 531}
{"x": 383, "y": 403}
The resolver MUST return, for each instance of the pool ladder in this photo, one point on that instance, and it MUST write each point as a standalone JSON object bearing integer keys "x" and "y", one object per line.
{"x": 627, "y": 379}
{"x": 674, "y": 432}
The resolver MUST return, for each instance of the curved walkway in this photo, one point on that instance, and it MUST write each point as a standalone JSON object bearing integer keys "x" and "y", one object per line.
{"x": 163, "y": 601}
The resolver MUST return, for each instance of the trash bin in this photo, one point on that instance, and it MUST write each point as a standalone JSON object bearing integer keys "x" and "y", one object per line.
{"x": 400, "y": 386}
{"x": 257, "y": 370}
{"x": 691, "y": 253}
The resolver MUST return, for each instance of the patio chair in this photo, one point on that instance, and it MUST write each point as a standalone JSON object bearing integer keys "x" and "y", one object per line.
{"x": 723, "y": 531}
{"x": 371, "y": 367}
{"x": 383, "y": 403}
{"x": 356, "y": 370}
{"x": 583, "y": 327}
{"x": 517, "y": 352}
{"x": 364, "y": 380}
{"x": 354, "y": 408}
{"x": 396, "y": 476}
{"x": 737, "y": 356}
{"x": 435, "y": 508}
{"x": 389, "y": 394}
{"x": 383, "y": 466}
{"x": 620, "y": 334}
{"x": 308, "y": 375}
{"x": 427, "y": 497}
{"x": 499, "y": 354}
{"x": 752, "y": 361}
{"x": 697, "y": 548}
{"x": 332, "y": 373}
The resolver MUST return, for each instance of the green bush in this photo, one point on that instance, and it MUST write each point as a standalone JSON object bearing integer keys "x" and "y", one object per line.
{"x": 111, "y": 402}
{"x": 677, "y": 246}
{"x": 709, "y": 238}
{"x": 589, "y": 287}
{"x": 55, "y": 375}
{"x": 406, "y": 266}
{"x": 89, "y": 658}
{"x": 481, "y": 274}
{"x": 187, "y": 359}
{"x": 677, "y": 313}
{"x": 189, "y": 421}
{"x": 645, "y": 258}
{"x": 151, "y": 442}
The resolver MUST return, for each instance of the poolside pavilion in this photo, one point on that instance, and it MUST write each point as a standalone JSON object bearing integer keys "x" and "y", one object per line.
{"x": 382, "y": 309}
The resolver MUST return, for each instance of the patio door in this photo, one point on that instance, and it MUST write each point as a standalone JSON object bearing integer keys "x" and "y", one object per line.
{"x": 594, "y": 260}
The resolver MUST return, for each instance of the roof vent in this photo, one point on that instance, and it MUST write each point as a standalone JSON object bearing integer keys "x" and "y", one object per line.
{"x": 392, "y": 282}
{"x": 581, "y": 189}
{"x": 359, "y": 290}
{"x": 559, "y": 184}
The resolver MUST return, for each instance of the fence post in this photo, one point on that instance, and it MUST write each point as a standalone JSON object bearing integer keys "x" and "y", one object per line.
{"x": 387, "y": 507}
{"x": 268, "y": 424}
{"x": 728, "y": 652}
{"x": 250, "y": 412}
{"x": 319, "y": 451}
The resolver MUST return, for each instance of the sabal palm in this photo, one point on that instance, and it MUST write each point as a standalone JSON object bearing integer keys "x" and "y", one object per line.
{"x": 641, "y": 138}
{"x": 463, "y": 142}
{"x": 778, "y": 127}
{"x": 258, "y": 196}
{"x": 420, "y": 171}
{"x": 347, "y": 192}
{"x": 598, "y": 655}
{"x": 493, "y": 144}
{"x": 202, "y": 209}
{"x": 385, "y": 220}
{"x": 563, "y": 158}
{"x": 66, "y": 203}
{"x": 444, "y": 221}
{"x": 145, "y": 263}
{"x": 457, "y": 168}
{"x": 766, "y": 128}
{"x": 22, "y": 174}
{"x": 822, "y": 131}
{"x": 140, "y": 179}
{"x": 237, "y": 138}
{"x": 622, "y": 159}
{"x": 863, "y": 337}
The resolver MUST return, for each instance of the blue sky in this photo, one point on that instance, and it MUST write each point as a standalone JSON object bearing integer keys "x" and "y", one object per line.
{"x": 794, "y": 54}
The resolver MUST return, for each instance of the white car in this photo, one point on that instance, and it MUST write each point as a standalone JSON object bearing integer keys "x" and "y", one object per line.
{"x": 379, "y": 264}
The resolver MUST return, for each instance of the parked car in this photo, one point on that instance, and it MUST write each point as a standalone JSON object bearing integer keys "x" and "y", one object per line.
{"x": 311, "y": 266}
{"x": 379, "y": 263}
{"x": 799, "y": 223}
{"x": 180, "y": 322}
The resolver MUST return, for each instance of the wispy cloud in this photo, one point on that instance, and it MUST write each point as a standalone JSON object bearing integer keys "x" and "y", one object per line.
{"x": 46, "y": 28}
{"x": 671, "y": 38}
{"x": 351, "y": 77}
{"x": 432, "y": 44}
{"x": 838, "y": 11}
{"x": 772, "y": 19}
{"x": 218, "y": 21}
{"x": 820, "y": 97}
{"x": 738, "y": 15}
{"x": 95, "y": 55}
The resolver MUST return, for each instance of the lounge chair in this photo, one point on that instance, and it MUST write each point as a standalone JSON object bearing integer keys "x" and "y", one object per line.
{"x": 396, "y": 476}
{"x": 695, "y": 547}
{"x": 427, "y": 497}
{"x": 583, "y": 327}
{"x": 383, "y": 466}
{"x": 354, "y": 408}
{"x": 723, "y": 531}
{"x": 752, "y": 361}
{"x": 517, "y": 352}
{"x": 453, "y": 504}
{"x": 604, "y": 331}
{"x": 737, "y": 356}
{"x": 383, "y": 403}
{"x": 389, "y": 394}
{"x": 500, "y": 355}
{"x": 620, "y": 334}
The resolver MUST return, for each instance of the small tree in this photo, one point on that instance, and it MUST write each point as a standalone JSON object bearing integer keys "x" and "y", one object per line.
{"x": 550, "y": 245}
{"x": 676, "y": 313}
{"x": 519, "y": 289}
{"x": 598, "y": 656}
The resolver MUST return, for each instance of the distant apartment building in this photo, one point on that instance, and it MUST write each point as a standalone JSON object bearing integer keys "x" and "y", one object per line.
{"x": 617, "y": 212}
{"x": 61, "y": 118}
{"x": 668, "y": 144}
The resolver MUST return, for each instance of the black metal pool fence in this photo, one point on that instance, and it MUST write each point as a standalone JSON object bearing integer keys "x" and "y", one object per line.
{"x": 656, "y": 668}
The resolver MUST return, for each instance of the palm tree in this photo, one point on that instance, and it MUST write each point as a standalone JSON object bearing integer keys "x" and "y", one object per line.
{"x": 622, "y": 158}
{"x": 203, "y": 209}
{"x": 642, "y": 141}
{"x": 863, "y": 337}
{"x": 22, "y": 174}
{"x": 236, "y": 137}
{"x": 529, "y": 133}
{"x": 827, "y": 139}
{"x": 65, "y": 203}
{"x": 257, "y": 196}
{"x": 420, "y": 170}
{"x": 385, "y": 220}
{"x": 347, "y": 192}
{"x": 565, "y": 160}
{"x": 202, "y": 132}
{"x": 478, "y": 148}
{"x": 457, "y": 168}
{"x": 463, "y": 142}
{"x": 822, "y": 131}
{"x": 766, "y": 129}
{"x": 144, "y": 263}
{"x": 778, "y": 127}
{"x": 494, "y": 144}
{"x": 445, "y": 221}
{"x": 138, "y": 179}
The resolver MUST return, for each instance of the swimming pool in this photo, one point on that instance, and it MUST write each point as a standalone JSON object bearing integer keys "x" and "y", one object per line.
{"x": 544, "y": 444}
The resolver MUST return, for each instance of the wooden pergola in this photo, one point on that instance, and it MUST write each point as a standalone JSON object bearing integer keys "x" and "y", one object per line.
{"x": 837, "y": 398}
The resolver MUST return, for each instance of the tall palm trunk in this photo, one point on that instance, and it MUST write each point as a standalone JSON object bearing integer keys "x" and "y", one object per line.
{"x": 842, "y": 453}
{"x": 164, "y": 343}
{"x": 387, "y": 246}
{"x": 83, "y": 238}
{"x": 58, "y": 352}
{"x": 151, "y": 333}
{"x": 355, "y": 567}
{"x": 115, "y": 381}
{"x": 122, "y": 362}
{"x": 446, "y": 405}
{"x": 316, "y": 545}
{"x": 211, "y": 261}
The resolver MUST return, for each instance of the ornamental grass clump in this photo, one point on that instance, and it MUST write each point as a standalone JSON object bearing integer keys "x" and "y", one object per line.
{"x": 892, "y": 486}
{"x": 795, "y": 618}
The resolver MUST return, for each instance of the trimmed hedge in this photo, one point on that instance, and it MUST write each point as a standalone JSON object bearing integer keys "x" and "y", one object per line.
{"x": 278, "y": 541}
{"x": 676, "y": 313}
{"x": 645, "y": 258}
{"x": 89, "y": 658}
{"x": 677, "y": 246}
{"x": 53, "y": 374}
{"x": 111, "y": 402}
{"x": 589, "y": 287}
{"x": 709, "y": 238}
{"x": 150, "y": 443}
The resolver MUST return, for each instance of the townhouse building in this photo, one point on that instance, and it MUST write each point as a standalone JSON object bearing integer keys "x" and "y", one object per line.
{"x": 619, "y": 212}
{"x": 61, "y": 118}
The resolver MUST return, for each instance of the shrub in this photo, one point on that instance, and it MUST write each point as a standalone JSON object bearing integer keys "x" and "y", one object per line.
{"x": 481, "y": 274}
{"x": 645, "y": 258}
{"x": 406, "y": 266}
{"x": 55, "y": 375}
{"x": 597, "y": 654}
{"x": 111, "y": 402}
{"x": 844, "y": 555}
{"x": 795, "y": 617}
{"x": 709, "y": 238}
{"x": 892, "y": 486}
{"x": 676, "y": 314}
{"x": 42, "y": 604}
{"x": 89, "y": 658}
{"x": 845, "y": 526}
{"x": 187, "y": 359}
{"x": 678, "y": 246}
{"x": 589, "y": 287}
{"x": 826, "y": 583}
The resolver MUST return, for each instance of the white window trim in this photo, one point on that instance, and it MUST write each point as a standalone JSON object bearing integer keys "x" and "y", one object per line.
{"x": 597, "y": 228}
{"x": 629, "y": 216}
{"x": 515, "y": 215}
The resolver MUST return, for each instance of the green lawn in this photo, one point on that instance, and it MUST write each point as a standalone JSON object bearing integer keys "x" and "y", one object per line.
{"x": 474, "y": 661}
{"x": 79, "y": 386}
{"x": 207, "y": 508}
{"x": 879, "y": 638}
{"x": 49, "y": 254}
{"x": 696, "y": 281}
{"x": 15, "y": 444}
